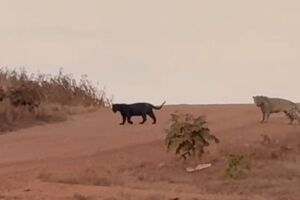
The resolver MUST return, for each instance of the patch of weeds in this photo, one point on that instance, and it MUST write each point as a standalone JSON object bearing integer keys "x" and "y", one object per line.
{"x": 238, "y": 166}
{"x": 86, "y": 177}
{"x": 45, "y": 176}
{"x": 77, "y": 196}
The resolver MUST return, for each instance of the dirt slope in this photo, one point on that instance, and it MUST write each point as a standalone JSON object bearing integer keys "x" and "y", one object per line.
{"x": 92, "y": 157}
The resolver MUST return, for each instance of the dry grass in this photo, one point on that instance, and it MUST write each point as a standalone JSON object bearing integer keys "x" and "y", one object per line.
{"x": 156, "y": 197}
{"x": 82, "y": 197}
{"x": 277, "y": 177}
{"x": 84, "y": 177}
{"x": 57, "y": 97}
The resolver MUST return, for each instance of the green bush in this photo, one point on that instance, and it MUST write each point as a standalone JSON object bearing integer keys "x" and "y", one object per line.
{"x": 188, "y": 135}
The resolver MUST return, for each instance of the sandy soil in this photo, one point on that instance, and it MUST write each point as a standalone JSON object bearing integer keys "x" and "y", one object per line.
{"x": 92, "y": 157}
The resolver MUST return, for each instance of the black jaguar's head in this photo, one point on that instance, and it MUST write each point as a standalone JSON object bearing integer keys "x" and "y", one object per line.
{"x": 115, "y": 108}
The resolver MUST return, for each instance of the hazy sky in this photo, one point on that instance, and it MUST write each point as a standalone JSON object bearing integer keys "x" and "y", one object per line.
{"x": 184, "y": 51}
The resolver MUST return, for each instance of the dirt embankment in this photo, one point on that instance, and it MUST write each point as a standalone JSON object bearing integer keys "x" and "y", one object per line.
{"x": 92, "y": 157}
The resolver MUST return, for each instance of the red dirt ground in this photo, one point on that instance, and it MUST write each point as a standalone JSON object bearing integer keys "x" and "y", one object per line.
{"x": 92, "y": 157}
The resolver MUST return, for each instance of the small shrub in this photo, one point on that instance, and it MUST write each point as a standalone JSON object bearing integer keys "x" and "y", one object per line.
{"x": 238, "y": 166}
{"x": 188, "y": 135}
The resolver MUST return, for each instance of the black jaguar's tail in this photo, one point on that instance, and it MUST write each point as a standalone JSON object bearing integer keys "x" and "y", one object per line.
{"x": 159, "y": 107}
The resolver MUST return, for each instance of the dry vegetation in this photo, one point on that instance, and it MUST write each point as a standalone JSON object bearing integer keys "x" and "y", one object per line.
{"x": 28, "y": 99}
{"x": 81, "y": 197}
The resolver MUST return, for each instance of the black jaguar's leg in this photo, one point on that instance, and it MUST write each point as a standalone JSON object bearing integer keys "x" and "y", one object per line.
{"x": 124, "y": 120}
{"x": 144, "y": 118}
{"x": 129, "y": 120}
{"x": 151, "y": 114}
